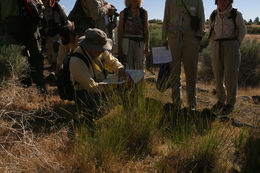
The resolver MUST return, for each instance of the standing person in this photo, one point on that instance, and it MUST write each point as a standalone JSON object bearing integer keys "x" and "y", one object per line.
{"x": 227, "y": 30}
{"x": 91, "y": 14}
{"x": 56, "y": 18}
{"x": 87, "y": 65}
{"x": 134, "y": 29}
{"x": 69, "y": 43}
{"x": 21, "y": 21}
{"x": 183, "y": 28}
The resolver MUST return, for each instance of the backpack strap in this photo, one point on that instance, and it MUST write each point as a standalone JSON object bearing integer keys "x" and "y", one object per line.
{"x": 142, "y": 16}
{"x": 233, "y": 15}
{"x": 212, "y": 19}
{"x": 85, "y": 59}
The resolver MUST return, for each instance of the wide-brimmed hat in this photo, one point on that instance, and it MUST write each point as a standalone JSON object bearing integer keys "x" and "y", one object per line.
{"x": 96, "y": 40}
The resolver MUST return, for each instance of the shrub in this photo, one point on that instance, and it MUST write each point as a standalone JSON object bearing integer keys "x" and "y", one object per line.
{"x": 253, "y": 30}
{"x": 12, "y": 63}
{"x": 249, "y": 72}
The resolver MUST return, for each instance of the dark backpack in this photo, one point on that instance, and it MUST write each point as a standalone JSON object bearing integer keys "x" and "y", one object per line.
{"x": 64, "y": 83}
{"x": 33, "y": 8}
{"x": 233, "y": 15}
{"x": 81, "y": 21}
{"x": 142, "y": 15}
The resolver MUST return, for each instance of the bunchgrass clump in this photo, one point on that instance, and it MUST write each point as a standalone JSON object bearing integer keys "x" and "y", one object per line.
{"x": 126, "y": 132}
{"x": 12, "y": 63}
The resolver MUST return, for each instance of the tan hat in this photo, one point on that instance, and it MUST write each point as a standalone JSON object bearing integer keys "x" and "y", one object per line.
{"x": 96, "y": 40}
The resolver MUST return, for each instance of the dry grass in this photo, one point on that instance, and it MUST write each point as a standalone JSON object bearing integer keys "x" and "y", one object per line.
{"x": 27, "y": 145}
{"x": 252, "y": 37}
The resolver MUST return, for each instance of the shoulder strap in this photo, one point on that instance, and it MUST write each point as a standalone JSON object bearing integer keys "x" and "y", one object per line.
{"x": 233, "y": 15}
{"x": 212, "y": 19}
{"x": 186, "y": 8}
{"x": 125, "y": 17}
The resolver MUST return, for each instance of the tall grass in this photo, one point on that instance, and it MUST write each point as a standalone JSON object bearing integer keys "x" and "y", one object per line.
{"x": 127, "y": 132}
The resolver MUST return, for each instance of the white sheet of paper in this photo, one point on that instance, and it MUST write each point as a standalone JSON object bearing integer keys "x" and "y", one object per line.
{"x": 111, "y": 79}
{"x": 161, "y": 55}
{"x": 136, "y": 75}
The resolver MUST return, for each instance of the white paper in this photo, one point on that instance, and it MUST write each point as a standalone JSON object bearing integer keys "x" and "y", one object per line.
{"x": 111, "y": 79}
{"x": 136, "y": 75}
{"x": 161, "y": 55}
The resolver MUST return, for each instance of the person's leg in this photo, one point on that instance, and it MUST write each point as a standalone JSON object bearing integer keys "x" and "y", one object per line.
{"x": 139, "y": 57}
{"x": 191, "y": 47}
{"x": 35, "y": 59}
{"x": 175, "y": 67}
{"x": 218, "y": 70}
{"x": 232, "y": 60}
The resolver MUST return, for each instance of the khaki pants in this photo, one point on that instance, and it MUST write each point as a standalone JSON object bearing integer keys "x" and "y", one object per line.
{"x": 136, "y": 57}
{"x": 184, "y": 49}
{"x": 226, "y": 61}
{"x": 52, "y": 48}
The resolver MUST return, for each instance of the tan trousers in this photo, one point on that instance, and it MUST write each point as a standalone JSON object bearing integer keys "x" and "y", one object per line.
{"x": 226, "y": 59}
{"x": 50, "y": 50}
{"x": 184, "y": 49}
{"x": 136, "y": 57}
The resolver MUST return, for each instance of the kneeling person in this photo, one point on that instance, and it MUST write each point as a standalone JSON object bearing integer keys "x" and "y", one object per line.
{"x": 88, "y": 72}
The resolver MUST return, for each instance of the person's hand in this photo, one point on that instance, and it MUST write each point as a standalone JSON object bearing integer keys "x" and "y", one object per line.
{"x": 165, "y": 44}
{"x": 123, "y": 75}
{"x": 111, "y": 11}
{"x": 147, "y": 52}
{"x": 57, "y": 69}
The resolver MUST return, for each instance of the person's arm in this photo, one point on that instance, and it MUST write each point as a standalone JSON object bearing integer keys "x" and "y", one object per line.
{"x": 120, "y": 34}
{"x": 201, "y": 15}
{"x": 242, "y": 30}
{"x": 95, "y": 8}
{"x": 80, "y": 73}
{"x": 111, "y": 63}
{"x": 147, "y": 35}
{"x": 165, "y": 25}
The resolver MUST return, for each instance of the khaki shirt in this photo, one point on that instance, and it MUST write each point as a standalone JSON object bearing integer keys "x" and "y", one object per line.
{"x": 224, "y": 26}
{"x": 97, "y": 11}
{"x": 84, "y": 75}
{"x": 176, "y": 19}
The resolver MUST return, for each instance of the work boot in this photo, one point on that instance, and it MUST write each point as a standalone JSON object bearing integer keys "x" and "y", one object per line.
{"x": 42, "y": 89}
{"x": 217, "y": 107}
{"x": 227, "y": 109}
{"x": 26, "y": 82}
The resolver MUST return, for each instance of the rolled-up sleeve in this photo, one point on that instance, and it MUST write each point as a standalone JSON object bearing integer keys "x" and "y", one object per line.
{"x": 111, "y": 63}
{"x": 94, "y": 8}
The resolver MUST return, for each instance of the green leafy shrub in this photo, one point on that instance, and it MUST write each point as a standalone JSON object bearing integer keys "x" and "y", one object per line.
{"x": 12, "y": 63}
{"x": 249, "y": 72}
{"x": 253, "y": 30}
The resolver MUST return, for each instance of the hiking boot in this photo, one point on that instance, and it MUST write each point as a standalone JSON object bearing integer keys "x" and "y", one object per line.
{"x": 217, "y": 107}
{"x": 42, "y": 89}
{"x": 227, "y": 109}
{"x": 26, "y": 82}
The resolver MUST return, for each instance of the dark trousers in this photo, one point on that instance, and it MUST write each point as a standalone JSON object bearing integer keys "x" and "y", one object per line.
{"x": 25, "y": 32}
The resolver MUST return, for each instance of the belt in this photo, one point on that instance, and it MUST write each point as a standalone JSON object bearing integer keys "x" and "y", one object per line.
{"x": 226, "y": 39}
